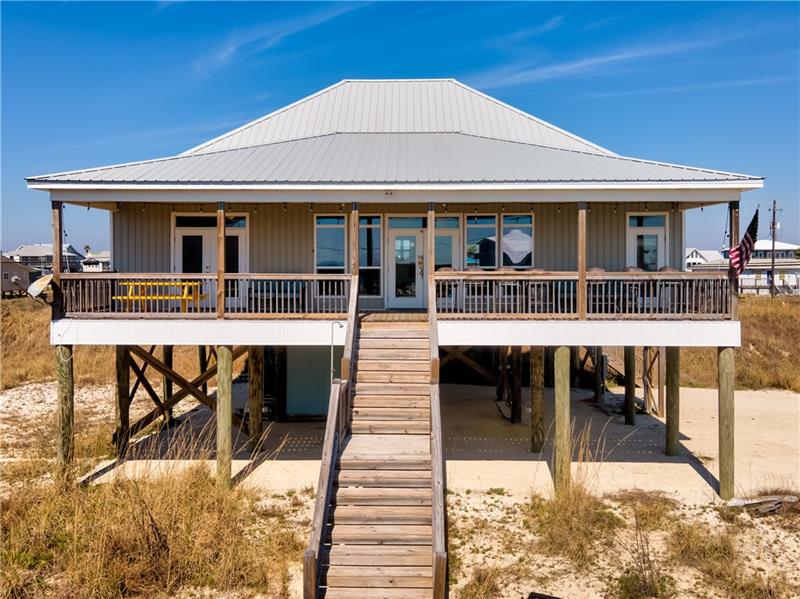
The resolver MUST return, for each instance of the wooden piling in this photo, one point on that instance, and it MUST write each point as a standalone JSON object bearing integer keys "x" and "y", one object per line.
{"x": 562, "y": 454}
{"x": 167, "y": 382}
{"x": 516, "y": 384}
{"x": 202, "y": 363}
{"x": 537, "y": 398}
{"x": 673, "y": 401}
{"x": 255, "y": 391}
{"x": 65, "y": 442}
{"x": 123, "y": 400}
{"x": 224, "y": 414}
{"x": 599, "y": 383}
{"x": 630, "y": 385}
{"x": 726, "y": 372}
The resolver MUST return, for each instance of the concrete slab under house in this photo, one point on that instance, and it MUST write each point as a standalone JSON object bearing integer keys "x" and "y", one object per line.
{"x": 367, "y": 243}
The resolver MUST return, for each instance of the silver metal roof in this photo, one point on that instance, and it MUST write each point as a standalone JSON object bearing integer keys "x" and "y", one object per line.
{"x": 394, "y": 133}
{"x": 397, "y": 106}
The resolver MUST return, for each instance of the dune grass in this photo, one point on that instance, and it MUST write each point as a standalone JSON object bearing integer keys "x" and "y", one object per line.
{"x": 148, "y": 537}
{"x": 767, "y": 358}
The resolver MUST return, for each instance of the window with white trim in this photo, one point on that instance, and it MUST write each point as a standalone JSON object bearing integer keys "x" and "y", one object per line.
{"x": 480, "y": 240}
{"x": 330, "y": 244}
{"x": 517, "y": 242}
{"x": 369, "y": 256}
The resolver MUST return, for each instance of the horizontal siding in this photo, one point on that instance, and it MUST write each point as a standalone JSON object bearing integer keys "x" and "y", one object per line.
{"x": 282, "y": 239}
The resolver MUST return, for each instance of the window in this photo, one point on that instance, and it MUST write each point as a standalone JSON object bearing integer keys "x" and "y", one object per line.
{"x": 517, "y": 244}
{"x": 369, "y": 256}
{"x": 481, "y": 241}
{"x": 408, "y": 222}
{"x": 329, "y": 244}
{"x": 647, "y": 220}
{"x": 231, "y": 222}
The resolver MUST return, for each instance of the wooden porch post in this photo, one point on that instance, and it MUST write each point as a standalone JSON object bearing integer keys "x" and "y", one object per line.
{"x": 255, "y": 391}
{"x": 224, "y": 415}
{"x": 430, "y": 253}
{"x": 630, "y": 385}
{"x": 221, "y": 260}
{"x": 123, "y": 399}
{"x": 58, "y": 239}
{"x": 537, "y": 398}
{"x": 65, "y": 442}
{"x": 727, "y": 376}
{"x": 581, "y": 292}
{"x": 733, "y": 217}
{"x": 673, "y": 407}
{"x": 562, "y": 454}
{"x": 354, "y": 241}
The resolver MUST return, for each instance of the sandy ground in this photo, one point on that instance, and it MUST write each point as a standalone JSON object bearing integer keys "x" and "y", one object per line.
{"x": 491, "y": 473}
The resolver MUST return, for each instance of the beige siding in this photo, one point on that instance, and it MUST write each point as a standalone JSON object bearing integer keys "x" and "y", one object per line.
{"x": 282, "y": 237}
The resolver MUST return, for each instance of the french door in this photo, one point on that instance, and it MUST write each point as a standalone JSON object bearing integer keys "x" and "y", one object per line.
{"x": 406, "y": 280}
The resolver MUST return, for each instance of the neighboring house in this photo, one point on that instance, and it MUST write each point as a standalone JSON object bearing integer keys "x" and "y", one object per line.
{"x": 365, "y": 216}
{"x": 756, "y": 278}
{"x": 695, "y": 257}
{"x": 39, "y": 256}
{"x": 99, "y": 262}
{"x": 16, "y": 277}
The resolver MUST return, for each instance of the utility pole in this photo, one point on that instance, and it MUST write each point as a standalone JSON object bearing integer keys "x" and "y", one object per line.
{"x": 773, "y": 229}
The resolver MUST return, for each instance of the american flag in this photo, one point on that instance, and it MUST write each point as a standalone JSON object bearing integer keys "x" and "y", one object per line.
{"x": 739, "y": 256}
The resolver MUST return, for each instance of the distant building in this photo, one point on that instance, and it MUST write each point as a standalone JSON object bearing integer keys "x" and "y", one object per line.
{"x": 695, "y": 257}
{"x": 756, "y": 277}
{"x": 99, "y": 262}
{"x": 39, "y": 256}
{"x": 16, "y": 277}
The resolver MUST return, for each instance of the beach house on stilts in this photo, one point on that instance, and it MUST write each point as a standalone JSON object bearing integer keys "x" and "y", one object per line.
{"x": 392, "y": 218}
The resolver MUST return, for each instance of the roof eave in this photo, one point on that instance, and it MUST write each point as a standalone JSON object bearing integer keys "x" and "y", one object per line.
{"x": 742, "y": 185}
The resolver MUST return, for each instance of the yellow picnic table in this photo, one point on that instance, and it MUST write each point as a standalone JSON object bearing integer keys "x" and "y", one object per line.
{"x": 145, "y": 291}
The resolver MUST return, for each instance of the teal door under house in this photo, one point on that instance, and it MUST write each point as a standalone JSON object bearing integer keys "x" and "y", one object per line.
{"x": 308, "y": 379}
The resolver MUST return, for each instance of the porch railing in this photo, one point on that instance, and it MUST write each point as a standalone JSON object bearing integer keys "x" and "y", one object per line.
{"x": 609, "y": 296}
{"x": 188, "y": 295}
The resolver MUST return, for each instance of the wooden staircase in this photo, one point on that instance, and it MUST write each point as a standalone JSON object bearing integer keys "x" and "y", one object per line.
{"x": 378, "y": 540}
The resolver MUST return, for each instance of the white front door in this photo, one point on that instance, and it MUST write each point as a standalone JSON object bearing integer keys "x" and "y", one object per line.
{"x": 647, "y": 248}
{"x": 195, "y": 251}
{"x": 406, "y": 278}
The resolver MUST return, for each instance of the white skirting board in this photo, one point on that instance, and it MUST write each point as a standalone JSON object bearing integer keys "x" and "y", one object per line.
{"x": 679, "y": 333}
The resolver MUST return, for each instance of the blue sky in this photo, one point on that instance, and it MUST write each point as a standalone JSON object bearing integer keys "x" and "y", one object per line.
{"x": 87, "y": 84}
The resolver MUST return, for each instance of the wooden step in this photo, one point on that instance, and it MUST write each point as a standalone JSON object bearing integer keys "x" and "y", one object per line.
{"x": 385, "y": 463}
{"x": 392, "y": 377}
{"x": 417, "y": 389}
{"x": 391, "y": 413}
{"x": 371, "y": 593}
{"x": 382, "y": 514}
{"x": 384, "y": 478}
{"x": 394, "y": 333}
{"x": 403, "y": 577}
{"x": 404, "y": 366}
{"x": 367, "y": 353}
{"x": 381, "y": 534}
{"x": 391, "y": 343}
{"x": 377, "y": 555}
{"x": 392, "y": 401}
{"x": 391, "y": 427}
{"x": 387, "y": 445}
{"x": 382, "y": 496}
{"x": 373, "y": 325}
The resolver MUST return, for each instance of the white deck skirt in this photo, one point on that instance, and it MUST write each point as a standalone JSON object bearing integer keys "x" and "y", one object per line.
{"x": 677, "y": 333}
{"x": 70, "y": 331}
{"x": 461, "y": 332}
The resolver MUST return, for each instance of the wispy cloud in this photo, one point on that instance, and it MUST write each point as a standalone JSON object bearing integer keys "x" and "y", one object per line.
{"x": 257, "y": 39}
{"x": 521, "y": 73}
{"x": 516, "y": 37}
{"x": 691, "y": 87}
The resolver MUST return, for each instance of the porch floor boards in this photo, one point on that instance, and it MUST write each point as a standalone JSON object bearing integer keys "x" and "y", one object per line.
{"x": 379, "y": 534}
